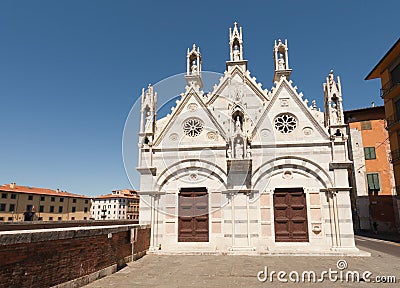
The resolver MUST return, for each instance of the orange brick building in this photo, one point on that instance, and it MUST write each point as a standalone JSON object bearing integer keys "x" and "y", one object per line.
{"x": 372, "y": 179}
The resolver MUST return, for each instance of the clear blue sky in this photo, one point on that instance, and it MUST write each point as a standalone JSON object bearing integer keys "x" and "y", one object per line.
{"x": 70, "y": 70}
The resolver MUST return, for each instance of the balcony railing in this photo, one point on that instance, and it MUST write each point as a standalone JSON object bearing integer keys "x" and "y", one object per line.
{"x": 388, "y": 87}
{"x": 395, "y": 155}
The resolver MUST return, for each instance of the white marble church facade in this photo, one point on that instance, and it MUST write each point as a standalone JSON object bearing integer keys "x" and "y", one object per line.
{"x": 246, "y": 170}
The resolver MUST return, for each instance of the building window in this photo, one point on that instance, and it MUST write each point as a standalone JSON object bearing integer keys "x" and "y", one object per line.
{"x": 193, "y": 127}
{"x": 13, "y": 196}
{"x": 29, "y": 207}
{"x": 61, "y": 199}
{"x": 2, "y": 207}
{"x": 30, "y": 197}
{"x": 59, "y": 219}
{"x": 373, "y": 183}
{"x": 12, "y": 208}
{"x": 4, "y": 195}
{"x": 72, "y": 218}
{"x": 366, "y": 125}
{"x": 1, "y": 218}
{"x": 50, "y": 218}
{"x": 42, "y": 198}
{"x": 60, "y": 209}
{"x": 285, "y": 123}
{"x": 369, "y": 153}
{"x": 41, "y": 208}
{"x": 52, "y": 209}
{"x": 73, "y": 200}
{"x": 53, "y": 199}
{"x": 85, "y": 210}
{"x": 86, "y": 201}
{"x": 73, "y": 209}
{"x": 84, "y": 218}
{"x": 10, "y": 219}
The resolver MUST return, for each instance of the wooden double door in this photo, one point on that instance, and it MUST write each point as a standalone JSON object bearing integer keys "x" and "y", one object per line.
{"x": 290, "y": 215}
{"x": 193, "y": 219}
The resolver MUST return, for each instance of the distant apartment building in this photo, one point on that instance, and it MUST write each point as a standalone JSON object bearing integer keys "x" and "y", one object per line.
{"x": 372, "y": 180}
{"x": 120, "y": 204}
{"x": 23, "y": 203}
{"x": 388, "y": 71}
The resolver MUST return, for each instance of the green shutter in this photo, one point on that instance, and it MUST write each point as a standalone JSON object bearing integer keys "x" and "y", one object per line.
{"x": 373, "y": 181}
{"x": 372, "y": 152}
{"x": 367, "y": 154}
{"x": 376, "y": 181}
{"x": 370, "y": 182}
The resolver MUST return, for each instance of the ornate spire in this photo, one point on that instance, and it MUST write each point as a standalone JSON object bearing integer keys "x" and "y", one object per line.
{"x": 193, "y": 66}
{"x": 236, "y": 43}
{"x": 281, "y": 62}
{"x": 333, "y": 101}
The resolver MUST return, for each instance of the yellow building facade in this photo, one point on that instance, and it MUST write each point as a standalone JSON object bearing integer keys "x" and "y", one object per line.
{"x": 22, "y": 203}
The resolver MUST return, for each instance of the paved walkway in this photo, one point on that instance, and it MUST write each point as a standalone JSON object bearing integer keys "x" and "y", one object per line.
{"x": 160, "y": 271}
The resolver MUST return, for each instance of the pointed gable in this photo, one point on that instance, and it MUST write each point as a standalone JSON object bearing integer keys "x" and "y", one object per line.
{"x": 190, "y": 107}
{"x": 289, "y": 118}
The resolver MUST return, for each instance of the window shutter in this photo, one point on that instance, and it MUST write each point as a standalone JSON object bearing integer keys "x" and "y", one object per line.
{"x": 372, "y": 153}
{"x": 376, "y": 181}
{"x": 367, "y": 154}
{"x": 370, "y": 181}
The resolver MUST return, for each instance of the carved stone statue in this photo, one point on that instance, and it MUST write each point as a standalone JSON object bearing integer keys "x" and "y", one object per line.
{"x": 194, "y": 67}
{"x": 237, "y": 125}
{"x": 238, "y": 149}
{"x": 335, "y": 114}
{"x": 236, "y": 52}
{"x": 281, "y": 62}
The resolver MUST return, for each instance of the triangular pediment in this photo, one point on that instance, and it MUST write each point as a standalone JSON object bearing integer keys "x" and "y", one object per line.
{"x": 237, "y": 77}
{"x": 304, "y": 123}
{"x": 191, "y": 106}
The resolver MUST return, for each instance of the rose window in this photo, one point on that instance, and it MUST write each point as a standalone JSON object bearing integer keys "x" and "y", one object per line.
{"x": 285, "y": 123}
{"x": 192, "y": 127}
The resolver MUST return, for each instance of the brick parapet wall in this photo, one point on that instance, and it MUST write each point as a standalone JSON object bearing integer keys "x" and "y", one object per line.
{"x": 49, "y": 257}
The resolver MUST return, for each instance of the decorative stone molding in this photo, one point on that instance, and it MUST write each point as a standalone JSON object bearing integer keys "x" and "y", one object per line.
{"x": 192, "y": 107}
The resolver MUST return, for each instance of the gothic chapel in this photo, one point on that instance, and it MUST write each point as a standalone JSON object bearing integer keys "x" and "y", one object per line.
{"x": 245, "y": 170}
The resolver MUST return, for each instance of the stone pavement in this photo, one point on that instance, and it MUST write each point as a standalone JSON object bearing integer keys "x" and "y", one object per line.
{"x": 160, "y": 271}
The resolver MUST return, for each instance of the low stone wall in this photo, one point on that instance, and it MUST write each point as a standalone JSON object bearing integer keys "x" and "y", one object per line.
{"x": 68, "y": 257}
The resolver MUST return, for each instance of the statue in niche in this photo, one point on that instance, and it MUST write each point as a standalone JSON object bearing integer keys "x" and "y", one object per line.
{"x": 194, "y": 67}
{"x": 335, "y": 114}
{"x": 238, "y": 125}
{"x": 238, "y": 149}
{"x": 236, "y": 52}
{"x": 148, "y": 121}
{"x": 281, "y": 62}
